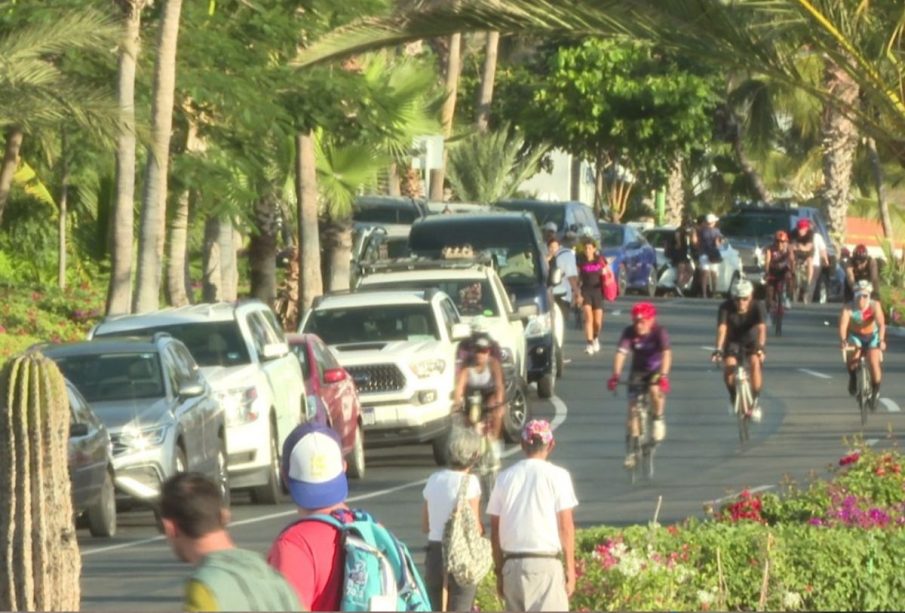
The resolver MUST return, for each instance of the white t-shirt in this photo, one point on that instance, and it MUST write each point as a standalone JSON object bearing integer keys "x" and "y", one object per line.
{"x": 440, "y": 493}
{"x": 527, "y": 496}
{"x": 819, "y": 250}
{"x": 565, "y": 261}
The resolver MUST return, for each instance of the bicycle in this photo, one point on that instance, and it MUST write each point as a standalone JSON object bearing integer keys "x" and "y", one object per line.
{"x": 864, "y": 389}
{"x": 744, "y": 401}
{"x": 643, "y": 446}
{"x": 487, "y": 465}
{"x": 778, "y": 308}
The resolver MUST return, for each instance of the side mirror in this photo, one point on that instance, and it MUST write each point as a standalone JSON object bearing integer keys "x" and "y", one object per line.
{"x": 334, "y": 375}
{"x": 460, "y": 331}
{"x": 76, "y": 430}
{"x": 524, "y": 311}
{"x": 274, "y": 350}
{"x": 190, "y": 390}
{"x": 310, "y": 407}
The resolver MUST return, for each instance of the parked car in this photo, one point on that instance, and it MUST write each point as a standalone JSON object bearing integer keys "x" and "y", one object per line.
{"x": 633, "y": 260}
{"x": 400, "y": 348}
{"x": 568, "y": 216}
{"x": 331, "y": 384}
{"x": 513, "y": 243}
{"x": 243, "y": 354}
{"x": 751, "y": 228}
{"x": 478, "y": 292}
{"x": 388, "y": 210}
{"x": 160, "y": 411}
{"x": 91, "y": 467}
{"x": 372, "y": 243}
{"x": 445, "y": 208}
{"x": 728, "y": 272}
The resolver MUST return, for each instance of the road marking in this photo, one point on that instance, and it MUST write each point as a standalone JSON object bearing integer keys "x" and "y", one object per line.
{"x": 706, "y": 348}
{"x": 559, "y": 417}
{"x": 751, "y": 490}
{"x": 814, "y": 373}
{"x": 890, "y": 405}
{"x": 872, "y": 441}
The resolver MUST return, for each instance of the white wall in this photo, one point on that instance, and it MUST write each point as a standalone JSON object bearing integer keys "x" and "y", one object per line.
{"x": 556, "y": 184}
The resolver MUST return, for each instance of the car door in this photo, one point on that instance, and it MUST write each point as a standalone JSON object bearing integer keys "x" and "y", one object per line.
{"x": 211, "y": 412}
{"x": 516, "y": 329}
{"x": 88, "y": 450}
{"x": 283, "y": 372}
{"x": 187, "y": 410}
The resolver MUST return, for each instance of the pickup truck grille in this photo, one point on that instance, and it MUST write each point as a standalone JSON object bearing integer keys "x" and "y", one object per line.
{"x": 377, "y": 378}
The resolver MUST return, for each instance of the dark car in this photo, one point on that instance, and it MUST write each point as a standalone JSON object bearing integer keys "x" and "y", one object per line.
{"x": 751, "y": 229}
{"x": 513, "y": 242}
{"x": 339, "y": 407}
{"x": 90, "y": 467}
{"x": 632, "y": 258}
{"x": 382, "y": 210}
{"x": 568, "y": 216}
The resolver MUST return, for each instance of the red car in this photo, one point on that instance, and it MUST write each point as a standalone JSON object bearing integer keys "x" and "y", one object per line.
{"x": 338, "y": 405}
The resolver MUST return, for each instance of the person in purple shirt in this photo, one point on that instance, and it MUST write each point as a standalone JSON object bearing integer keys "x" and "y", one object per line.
{"x": 648, "y": 343}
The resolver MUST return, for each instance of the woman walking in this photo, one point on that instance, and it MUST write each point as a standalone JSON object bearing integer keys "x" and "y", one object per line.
{"x": 591, "y": 264}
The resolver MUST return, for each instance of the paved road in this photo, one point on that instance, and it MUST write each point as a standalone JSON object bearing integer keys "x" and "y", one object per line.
{"x": 807, "y": 416}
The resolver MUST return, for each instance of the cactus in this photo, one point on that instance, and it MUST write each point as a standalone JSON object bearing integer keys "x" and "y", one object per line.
{"x": 39, "y": 554}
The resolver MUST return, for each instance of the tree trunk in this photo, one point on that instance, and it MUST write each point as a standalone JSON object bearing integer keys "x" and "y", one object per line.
{"x": 153, "y": 211}
{"x": 447, "y": 113}
{"x": 675, "y": 193}
{"x": 229, "y": 264}
{"x": 575, "y": 178}
{"x": 394, "y": 185}
{"x": 177, "y": 250}
{"x": 485, "y": 93}
{"x": 212, "y": 283}
{"x": 600, "y": 186}
{"x": 840, "y": 139}
{"x": 338, "y": 249}
{"x": 10, "y": 164}
{"x": 877, "y": 170}
{"x": 262, "y": 252}
{"x": 119, "y": 291}
{"x": 311, "y": 281}
{"x": 64, "y": 203}
{"x": 745, "y": 163}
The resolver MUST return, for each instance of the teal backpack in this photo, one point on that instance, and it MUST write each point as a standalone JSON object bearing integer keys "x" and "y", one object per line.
{"x": 379, "y": 573}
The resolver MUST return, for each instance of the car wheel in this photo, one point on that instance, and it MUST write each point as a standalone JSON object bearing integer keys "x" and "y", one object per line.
{"x": 269, "y": 492}
{"x": 102, "y": 514}
{"x": 441, "y": 449}
{"x": 545, "y": 386}
{"x": 180, "y": 464}
{"x": 652, "y": 282}
{"x": 223, "y": 474}
{"x": 622, "y": 279}
{"x": 517, "y": 413}
{"x": 356, "y": 467}
{"x": 558, "y": 359}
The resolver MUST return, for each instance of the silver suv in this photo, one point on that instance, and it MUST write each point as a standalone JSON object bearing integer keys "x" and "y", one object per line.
{"x": 161, "y": 413}
{"x": 242, "y": 352}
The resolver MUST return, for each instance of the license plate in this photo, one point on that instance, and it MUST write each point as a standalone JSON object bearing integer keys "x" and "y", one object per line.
{"x": 368, "y": 418}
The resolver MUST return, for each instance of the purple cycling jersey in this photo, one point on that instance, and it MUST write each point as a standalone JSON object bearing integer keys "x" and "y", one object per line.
{"x": 647, "y": 350}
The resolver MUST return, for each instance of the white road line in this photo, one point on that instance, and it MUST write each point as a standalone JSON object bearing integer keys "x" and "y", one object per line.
{"x": 559, "y": 417}
{"x": 752, "y": 490}
{"x": 706, "y": 348}
{"x": 890, "y": 405}
{"x": 814, "y": 373}
{"x": 872, "y": 441}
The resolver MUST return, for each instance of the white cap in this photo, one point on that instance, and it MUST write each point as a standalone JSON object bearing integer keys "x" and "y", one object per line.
{"x": 550, "y": 226}
{"x": 711, "y": 218}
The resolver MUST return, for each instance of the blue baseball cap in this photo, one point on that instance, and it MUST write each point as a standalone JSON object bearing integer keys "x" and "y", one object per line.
{"x": 313, "y": 467}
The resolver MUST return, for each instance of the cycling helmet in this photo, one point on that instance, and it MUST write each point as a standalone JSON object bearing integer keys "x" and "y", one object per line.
{"x": 863, "y": 287}
{"x": 846, "y": 253}
{"x": 643, "y": 310}
{"x": 742, "y": 289}
{"x": 781, "y": 236}
{"x": 803, "y": 224}
{"x": 860, "y": 252}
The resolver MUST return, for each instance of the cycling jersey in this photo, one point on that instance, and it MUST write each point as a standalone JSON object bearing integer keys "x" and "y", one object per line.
{"x": 862, "y": 322}
{"x": 780, "y": 261}
{"x": 741, "y": 328}
{"x": 647, "y": 350}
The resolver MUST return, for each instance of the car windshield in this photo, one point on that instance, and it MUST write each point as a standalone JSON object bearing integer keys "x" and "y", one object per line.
{"x": 543, "y": 211}
{"x": 380, "y": 214}
{"x": 373, "y": 323}
{"x": 215, "y": 343}
{"x": 114, "y": 376}
{"x": 760, "y": 225}
{"x": 472, "y": 296}
{"x": 611, "y": 235}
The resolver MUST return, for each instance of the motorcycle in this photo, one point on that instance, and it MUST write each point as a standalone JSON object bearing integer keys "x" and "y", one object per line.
{"x": 669, "y": 278}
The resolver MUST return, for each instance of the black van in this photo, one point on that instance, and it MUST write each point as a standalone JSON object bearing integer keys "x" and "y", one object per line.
{"x": 514, "y": 243}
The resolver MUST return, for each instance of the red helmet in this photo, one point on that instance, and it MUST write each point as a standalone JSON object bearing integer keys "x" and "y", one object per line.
{"x": 781, "y": 236}
{"x": 860, "y": 251}
{"x": 643, "y": 310}
{"x": 803, "y": 224}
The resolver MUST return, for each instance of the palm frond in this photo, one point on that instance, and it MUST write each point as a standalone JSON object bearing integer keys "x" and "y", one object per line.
{"x": 343, "y": 171}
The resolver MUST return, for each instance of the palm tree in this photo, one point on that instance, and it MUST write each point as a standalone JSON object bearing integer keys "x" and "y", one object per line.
{"x": 488, "y": 76}
{"x": 36, "y": 93}
{"x": 311, "y": 281}
{"x": 452, "y": 67}
{"x": 154, "y": 197}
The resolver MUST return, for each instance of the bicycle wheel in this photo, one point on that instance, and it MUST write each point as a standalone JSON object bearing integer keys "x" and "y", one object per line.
{"x": 779, "y": 311}
{"x": 649, "y": 460}
{"x": 864, "y": 390}
{"x": 742, "y": 409}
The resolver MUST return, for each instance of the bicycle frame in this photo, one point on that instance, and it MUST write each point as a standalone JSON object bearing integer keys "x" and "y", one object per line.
{"x": 643, "y": 446}
{"x": 864, "y": 389}
{"x": 744, "y": 400}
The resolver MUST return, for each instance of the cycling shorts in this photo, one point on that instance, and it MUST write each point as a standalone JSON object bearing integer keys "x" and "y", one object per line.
{"x": 741, "y": 350}
{"x": 639, "y": 381}
{"x": 868, "y": 341}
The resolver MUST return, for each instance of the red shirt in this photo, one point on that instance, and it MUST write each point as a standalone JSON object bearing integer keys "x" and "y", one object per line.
{"x": 309, "y": 556}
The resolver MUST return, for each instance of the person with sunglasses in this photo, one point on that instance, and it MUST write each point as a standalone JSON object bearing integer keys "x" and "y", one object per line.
{"x": 483, "y": 372}
{"x": 741, "y": 334}
{"x": 779, "y": 262}
{"x": 862, "y": 327}
{"x": 861, "y": 267}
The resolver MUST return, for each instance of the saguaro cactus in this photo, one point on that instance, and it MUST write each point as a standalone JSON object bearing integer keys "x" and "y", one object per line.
{"x": 39, "y": 554}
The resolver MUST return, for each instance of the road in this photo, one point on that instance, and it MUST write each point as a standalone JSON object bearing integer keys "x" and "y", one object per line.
{"x": 807, "y": 415}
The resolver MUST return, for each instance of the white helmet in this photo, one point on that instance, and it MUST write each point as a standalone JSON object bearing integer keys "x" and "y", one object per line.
{"x": 863, "y": 287}
{"x": 742, "y": 289}
{"x": 479, "y": 325}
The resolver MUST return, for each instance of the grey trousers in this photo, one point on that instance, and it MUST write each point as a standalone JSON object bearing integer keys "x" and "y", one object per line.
{"x": 535, "y": 584}
{"x": 460, "y": 597}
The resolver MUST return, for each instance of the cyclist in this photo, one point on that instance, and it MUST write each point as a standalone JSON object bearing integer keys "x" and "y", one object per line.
{"x": 779, "y": 262}
{"x": 862, "y": 327}
{"x": 483, "y": 373}
{"x": 860, "y": 267}
{"x": 651, "y": 362}
{"x": 741, "y": 333}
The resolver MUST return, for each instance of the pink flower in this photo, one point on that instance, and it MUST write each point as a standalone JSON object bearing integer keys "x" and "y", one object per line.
{"x": 849, "y": 459}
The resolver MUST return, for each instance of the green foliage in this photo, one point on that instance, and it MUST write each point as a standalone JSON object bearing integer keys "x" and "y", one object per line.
{"x": 487, "y": 167}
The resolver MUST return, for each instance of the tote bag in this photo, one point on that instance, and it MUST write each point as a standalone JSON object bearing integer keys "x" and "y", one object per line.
{"x": 468, "y": 555}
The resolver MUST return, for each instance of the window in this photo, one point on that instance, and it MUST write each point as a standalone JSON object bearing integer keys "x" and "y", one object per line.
{"x": 611, "y": 236}
{"x": 115, "y": 376}
{"x": 472, "y": 296}
{"x": 276, "y": 329}
{"x": 258, "y": 330}
{"x": 215, "y": 343}
{"x": 382, "y": 323}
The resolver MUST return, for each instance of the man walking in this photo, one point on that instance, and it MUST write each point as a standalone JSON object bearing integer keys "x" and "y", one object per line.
{"x": 225, "y": 578}
{"x": 532, "y": 529}
{"x": 566, "y": 293}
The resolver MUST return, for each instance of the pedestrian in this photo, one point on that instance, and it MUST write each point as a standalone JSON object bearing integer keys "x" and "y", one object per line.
{"x": 225, "y": 577}
{"x": 590, "y": 264}
{"x": 565, "y": 292}
{"x": 440, "y": 495}
{"x": 709, "y": 241}
{"x": 531, "y": 527}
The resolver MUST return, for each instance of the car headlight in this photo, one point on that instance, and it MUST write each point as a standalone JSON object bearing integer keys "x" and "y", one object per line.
{"x": 538, "y": 325}
{"x": 506, "y": 356}
{"x": 239, "y": 405}
{"x": 135, "y": 438}
{"x": 427, "y": 368}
